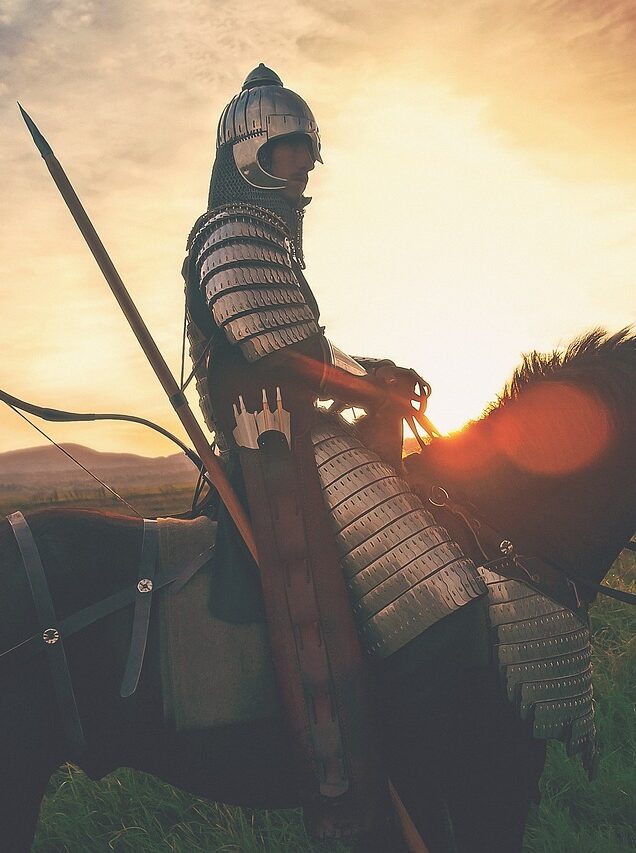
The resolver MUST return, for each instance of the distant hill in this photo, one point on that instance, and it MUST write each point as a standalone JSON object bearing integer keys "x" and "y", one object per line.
{"x": 45, "y": 467}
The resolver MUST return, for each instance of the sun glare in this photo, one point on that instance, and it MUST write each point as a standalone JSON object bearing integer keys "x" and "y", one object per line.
{"x": 556, "y": 429}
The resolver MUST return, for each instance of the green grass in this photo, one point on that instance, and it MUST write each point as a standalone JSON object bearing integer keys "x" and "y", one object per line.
{"x": 598, "y": 817}
{"x": 132, "y": 811}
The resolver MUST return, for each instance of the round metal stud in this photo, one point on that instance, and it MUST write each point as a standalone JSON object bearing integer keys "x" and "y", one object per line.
{"x": 51, "y": 636}
{"x": 145, "y": 585}
{"x": 506, "y": 547}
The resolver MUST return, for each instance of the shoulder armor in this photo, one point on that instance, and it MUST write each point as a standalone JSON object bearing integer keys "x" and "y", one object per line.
{"x": 242, "y": 256}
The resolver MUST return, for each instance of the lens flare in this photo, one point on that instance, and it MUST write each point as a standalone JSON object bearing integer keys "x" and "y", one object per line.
{"x": 554, "y": 429}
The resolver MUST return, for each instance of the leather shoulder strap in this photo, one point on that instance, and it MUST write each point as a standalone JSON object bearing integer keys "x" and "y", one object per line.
{"x": 143, "y": 605}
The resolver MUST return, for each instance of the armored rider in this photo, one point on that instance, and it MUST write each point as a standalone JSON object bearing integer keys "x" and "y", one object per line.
{"x": 351, "y": 565}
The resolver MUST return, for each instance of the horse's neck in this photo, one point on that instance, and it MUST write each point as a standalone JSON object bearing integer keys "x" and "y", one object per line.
{"x": 580, "y": 520}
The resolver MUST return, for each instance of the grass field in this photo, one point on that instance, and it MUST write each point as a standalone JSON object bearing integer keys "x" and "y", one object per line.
{"x": 134, "y": 812}
{"x": 164, "y": 500}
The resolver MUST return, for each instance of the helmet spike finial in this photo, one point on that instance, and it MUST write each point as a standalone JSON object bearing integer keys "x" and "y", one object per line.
{"x": 261, "y": 76}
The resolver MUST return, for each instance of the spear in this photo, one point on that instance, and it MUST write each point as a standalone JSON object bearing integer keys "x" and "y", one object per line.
{"x": 157, "y": 361}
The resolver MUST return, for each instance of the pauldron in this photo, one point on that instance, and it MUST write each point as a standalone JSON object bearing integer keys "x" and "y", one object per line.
{"x": 242, "y": 260}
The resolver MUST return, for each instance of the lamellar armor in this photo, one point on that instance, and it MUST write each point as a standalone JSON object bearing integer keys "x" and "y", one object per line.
{"x": 244, "y": 258}
{"x": 339, "y": 516}
{"x": 244, "y": 266}
{"x": 543, "y": 652}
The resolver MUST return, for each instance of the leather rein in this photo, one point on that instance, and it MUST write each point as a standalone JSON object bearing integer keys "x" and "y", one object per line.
{"x": 499, "y": 554}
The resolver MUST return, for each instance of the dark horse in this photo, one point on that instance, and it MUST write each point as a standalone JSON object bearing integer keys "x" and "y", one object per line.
{"x": 552, "y": 465}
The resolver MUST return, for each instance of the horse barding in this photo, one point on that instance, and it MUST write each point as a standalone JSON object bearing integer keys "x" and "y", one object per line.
{"x": 547, "y": 473}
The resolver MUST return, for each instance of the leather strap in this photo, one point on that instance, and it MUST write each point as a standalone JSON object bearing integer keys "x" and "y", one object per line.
{"x": 186, "y": 574}
{"x": 50, "y": 636}
{"x": 143, "y": 606}
{"x": 111, "y": 604}
{"x": 320, "y": 670}
{"x": 293, "y": 616}
{"x": 496, "y": 552}
{"x": 545, "y": 575}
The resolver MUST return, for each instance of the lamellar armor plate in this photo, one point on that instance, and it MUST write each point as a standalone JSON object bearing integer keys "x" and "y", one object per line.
{"x": 242, "y": 258}
{"x": 402, "y": 569}
{"x": 544, "y": 655}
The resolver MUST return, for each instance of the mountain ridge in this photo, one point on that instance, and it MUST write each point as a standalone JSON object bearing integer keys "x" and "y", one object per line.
{"x": 46, "y": 465}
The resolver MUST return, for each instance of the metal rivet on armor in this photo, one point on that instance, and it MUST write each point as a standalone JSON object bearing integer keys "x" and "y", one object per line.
{"x": 51, "y": 636}
{"x": 506, "y": 547}
{"x": 145, "y": 585}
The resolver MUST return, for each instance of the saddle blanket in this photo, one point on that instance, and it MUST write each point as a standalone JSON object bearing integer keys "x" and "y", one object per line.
{"x": 212, "y": 672}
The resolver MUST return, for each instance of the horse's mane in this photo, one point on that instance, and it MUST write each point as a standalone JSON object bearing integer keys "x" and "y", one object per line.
{"x": 602, "y": 362}
{"x": 552, "y": 461}
{"x": 600, "y": 365}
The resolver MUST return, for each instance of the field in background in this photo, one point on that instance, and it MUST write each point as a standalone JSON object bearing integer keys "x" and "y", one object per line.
{"x": 41, "y": 477}
{"x": 149, "y": 501}
{"x": 132, "y": 811}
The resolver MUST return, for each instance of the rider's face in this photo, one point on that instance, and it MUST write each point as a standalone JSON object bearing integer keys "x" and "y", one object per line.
{"x": 292, "y": 158}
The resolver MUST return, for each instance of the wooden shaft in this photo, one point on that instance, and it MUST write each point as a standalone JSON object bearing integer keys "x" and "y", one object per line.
{"x": 157, "y": 361}
{"x": 412, "y": 838}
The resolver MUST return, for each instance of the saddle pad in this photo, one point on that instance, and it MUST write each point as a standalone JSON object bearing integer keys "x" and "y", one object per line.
{"x": 213, "y": 672}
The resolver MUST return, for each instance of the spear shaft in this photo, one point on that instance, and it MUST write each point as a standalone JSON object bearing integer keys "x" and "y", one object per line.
{"x": 157, "y": 361}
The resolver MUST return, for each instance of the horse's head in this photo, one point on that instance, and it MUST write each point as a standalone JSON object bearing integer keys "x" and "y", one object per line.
{"x": 553, "y": 463}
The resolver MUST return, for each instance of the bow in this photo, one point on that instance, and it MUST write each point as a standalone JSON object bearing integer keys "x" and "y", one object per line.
{"x": 59, "y": 415}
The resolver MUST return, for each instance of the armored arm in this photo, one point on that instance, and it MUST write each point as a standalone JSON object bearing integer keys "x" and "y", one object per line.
{"x": 242, "y": 262}
{"x": 240, "y": 257}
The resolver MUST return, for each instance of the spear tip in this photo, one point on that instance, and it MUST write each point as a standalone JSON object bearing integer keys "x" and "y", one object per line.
{"x": 43, "y": 146}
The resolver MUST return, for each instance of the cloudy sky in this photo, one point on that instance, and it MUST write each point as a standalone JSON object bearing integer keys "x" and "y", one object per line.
{"x": 477, "y": 199}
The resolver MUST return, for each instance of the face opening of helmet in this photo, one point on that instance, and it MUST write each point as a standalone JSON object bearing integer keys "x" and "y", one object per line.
{"x": 263, "y": 111}
{"x": 289, "y": 158}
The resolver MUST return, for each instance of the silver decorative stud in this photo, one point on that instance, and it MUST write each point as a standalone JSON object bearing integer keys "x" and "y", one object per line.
{"x": 51, "y": 636}
{"x": 145, "y": 585}
{"x": 506, "y": 547}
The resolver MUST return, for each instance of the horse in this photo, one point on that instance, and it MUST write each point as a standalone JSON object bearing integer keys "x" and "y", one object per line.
{"x": 549, "y": 469}
{"x": 551, "y": 465}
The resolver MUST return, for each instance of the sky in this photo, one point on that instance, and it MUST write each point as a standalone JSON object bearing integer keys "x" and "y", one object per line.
{"x": 476, "y": 202}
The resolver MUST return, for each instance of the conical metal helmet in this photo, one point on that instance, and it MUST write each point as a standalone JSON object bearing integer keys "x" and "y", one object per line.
{"x": 264, "y": 110}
